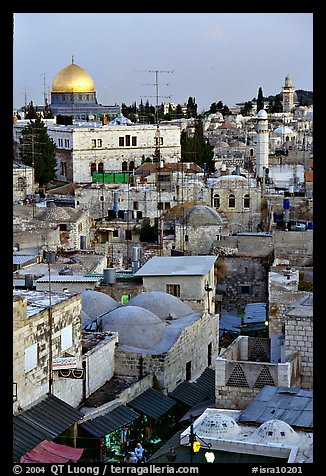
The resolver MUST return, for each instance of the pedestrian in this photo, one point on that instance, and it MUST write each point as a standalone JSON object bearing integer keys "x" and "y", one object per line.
{"x": 139, "y": 450}
{"x": 133, "y": 458}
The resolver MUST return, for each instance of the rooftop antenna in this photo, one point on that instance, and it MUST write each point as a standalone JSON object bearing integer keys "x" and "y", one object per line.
{"x": 44, "y": 88}
{"x": 157, "y": 148}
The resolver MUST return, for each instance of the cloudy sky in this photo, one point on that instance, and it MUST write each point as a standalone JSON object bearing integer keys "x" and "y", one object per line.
{"x": 209, "y": 56}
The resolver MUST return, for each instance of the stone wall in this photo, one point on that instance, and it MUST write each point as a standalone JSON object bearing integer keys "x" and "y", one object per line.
{"x": 299, "y": 338}
{"x": 170, "y": 368}
{"x": 29, "y": 330}
{"x": 99, "y": 362}
{"x": 243, "y": 369}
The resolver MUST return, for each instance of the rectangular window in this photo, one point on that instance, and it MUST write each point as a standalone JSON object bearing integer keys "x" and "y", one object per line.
{"x": 245, "y": 289}
{"x": 67, "y": 143}
{"x": 30, "y": 357}
{"x": 121, "y": 141}
{"x": 134, "y": 141}
{"x": 160, "y": 205}
{"x": 127, "y": 141}
{"x": 128, "y": 235}
{"x": 99, "y": 142}
{"x": 209, "y": 354}
{"x": 60, "y": 142}
{"x": 93, "y": 143}
{"x": 116, "y": 233}
{"x": 66, "y": 337}
{"x": 167, "y": 205}
{"x": 157, "y": 141}
{"x": 188, "y": 370}
{"x": 173, "y": 289}
{"x": 135, "y": 205}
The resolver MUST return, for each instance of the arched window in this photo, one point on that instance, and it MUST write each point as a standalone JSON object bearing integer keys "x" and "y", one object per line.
{"x": 131, "y": 166}
{"x": 100, "y": 168}
{"x": 93, "y": 168}
{"x": 216, "y": 201}
{"x": 231, "y": 201}
{"x": 124, "y": 166}
{"x": 246, "y": 201}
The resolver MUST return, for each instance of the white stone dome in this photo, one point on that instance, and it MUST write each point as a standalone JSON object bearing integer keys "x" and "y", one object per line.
{"x": 96, "y": 303}
{"x": 217, "y": 425}
{"x": 200, "y": 215}
{"x": 163, "y": 305}
{"x": 276, "y": 431}
{"x": 137, "y": 327}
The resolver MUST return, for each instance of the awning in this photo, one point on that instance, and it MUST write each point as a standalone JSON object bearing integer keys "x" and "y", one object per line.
{"x": 192, "y": 393}
{"x": 50, "y": 452}
{"x": 105, "y": 424}
{"x": 45, "y": 420}
{"x": 152, "y": 403}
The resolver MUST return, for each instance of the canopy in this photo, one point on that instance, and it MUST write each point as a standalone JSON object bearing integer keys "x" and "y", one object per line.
{"x": 50, "y": 452}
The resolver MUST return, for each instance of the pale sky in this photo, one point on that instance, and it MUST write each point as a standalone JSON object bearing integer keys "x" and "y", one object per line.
{"x": 214, "y": 56}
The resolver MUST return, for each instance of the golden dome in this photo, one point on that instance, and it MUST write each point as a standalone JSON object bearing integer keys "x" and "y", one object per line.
{"x": 73, "y": 79}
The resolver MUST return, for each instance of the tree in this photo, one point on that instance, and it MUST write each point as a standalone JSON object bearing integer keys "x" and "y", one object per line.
{"x": 196, "y": 148}
{"x": 38, "y": 149}
{"x": 260, "y": 100}
{"x": 246, "y": 109}
{"x": 31, "y": 111}
{"x": 191, "y": 107}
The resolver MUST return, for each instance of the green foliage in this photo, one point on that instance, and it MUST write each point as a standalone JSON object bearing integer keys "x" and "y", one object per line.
{"x": 148, "y": 233}
{"x": 196, "y": 148}
{"x": 219, "y": 107}
{"x": 36, "y": 148}
{"x": 246, "y": 109}
{"x": 260, "y": 100}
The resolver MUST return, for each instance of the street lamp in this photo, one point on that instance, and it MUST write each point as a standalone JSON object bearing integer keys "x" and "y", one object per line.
{"x": 195, "y": 445}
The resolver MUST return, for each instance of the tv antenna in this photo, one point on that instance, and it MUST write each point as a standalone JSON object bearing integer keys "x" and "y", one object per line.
{"x": 156, "y": 84}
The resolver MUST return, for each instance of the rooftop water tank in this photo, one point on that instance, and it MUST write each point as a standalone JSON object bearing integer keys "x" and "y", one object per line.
{"x": 109, "y": 276}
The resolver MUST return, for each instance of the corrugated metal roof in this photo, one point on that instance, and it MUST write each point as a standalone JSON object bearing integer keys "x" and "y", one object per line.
{"x": 290, "y": 404}
{"x": 67, "y": 279}
{"x": 104, "y": 424}
{"x": 188, "y": 393}
{"x": 45, "y": 420}
{"x": 198, "y": 391}
{"x": 20, "y": 259}
{"x": 152, "y": 403}
{"x": 255, "y": 312}
{"x": 177, "y": 266}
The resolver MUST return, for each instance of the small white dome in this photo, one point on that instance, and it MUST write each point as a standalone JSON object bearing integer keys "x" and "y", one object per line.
{"x": 217, "y": 426}
{"x": 262, "y": 114}
{"x": 277, "y": 431}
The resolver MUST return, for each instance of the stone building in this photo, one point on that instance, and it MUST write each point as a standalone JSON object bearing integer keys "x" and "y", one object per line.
{"x": 160, "y": 335}
{"x": 240, "y": 199}
{"x": 290, "y": 316}
{"x": 195, "y": 229}
{"x": 75, "y": 354}
{"x": 23, "y": 181}
{"x": 35, "y": 313}
{"x": 190, "y": 278}
{"x": 85, "y": 148}
{"x": 246, "y": 366}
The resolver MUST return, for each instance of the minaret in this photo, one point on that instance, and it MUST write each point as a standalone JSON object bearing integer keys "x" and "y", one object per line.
{"x": 288, "y": 95}
{"x": 262, "y": 144}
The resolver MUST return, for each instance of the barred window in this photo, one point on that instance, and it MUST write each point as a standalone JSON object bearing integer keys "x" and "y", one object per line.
{"x": 173, "y": 289}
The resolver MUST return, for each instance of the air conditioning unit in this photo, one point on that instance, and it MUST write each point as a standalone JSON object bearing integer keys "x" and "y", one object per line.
{"x": 71, "y": 373}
